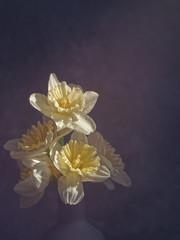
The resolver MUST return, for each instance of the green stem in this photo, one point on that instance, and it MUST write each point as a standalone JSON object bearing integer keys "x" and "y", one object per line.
{"x": 61, "y": 141}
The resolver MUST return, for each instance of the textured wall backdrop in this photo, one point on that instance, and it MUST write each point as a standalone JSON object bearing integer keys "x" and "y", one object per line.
{"x": 128, "y": 52}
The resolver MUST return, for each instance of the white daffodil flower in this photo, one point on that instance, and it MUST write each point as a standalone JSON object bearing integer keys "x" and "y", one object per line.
{"x": 33, "y": 183}
{"x": 111, "y": 160}
{"x": 36, "y": 141}
{"x": 77, "y": 162}
{"x": 67, "y": 105}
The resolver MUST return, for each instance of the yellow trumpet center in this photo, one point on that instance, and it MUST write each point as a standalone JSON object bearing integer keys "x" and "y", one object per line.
{"x": 36, "y": 137}
{"x": 65, "y": 99}
{"x": 64, "y": 103}
{"x": 77, "y": 162}
{"x": 79, "y": 157}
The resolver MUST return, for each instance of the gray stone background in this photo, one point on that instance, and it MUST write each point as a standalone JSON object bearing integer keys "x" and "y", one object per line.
{"x": 128, "y": 52}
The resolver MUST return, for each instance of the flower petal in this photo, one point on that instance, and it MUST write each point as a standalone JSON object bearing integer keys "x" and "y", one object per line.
{"x": 71, "y": 85}
{"x": 121, "y": 177}
{"x": 48, "y": 140}
{"x": 64, "y": 121}
{"x": 39, "y": 101}
{"x": 90, "y": 100}
{"x": 99, "y": 176}
{"x": 29, "y": 163}
{"x": 11, "y": 145}
{"x": 70, "y": 188}
{"x": 75, "y": 95}
{"x": 80, "y": 137}
{"x": 109, "y": 184}
{"x": 25, "y": 155}
{"x": 54, "y": 150}
{"x": 45, "y": 119}
{"x": 118, "y": 176}
{"x": 26, "y": 188}
{"x": 63, "y": 132}
{"x": 41, "y": 175}
{"x": 97, "y": 140}
{"x": 107, "y": 163}
{"x": 20, "y": 165}
{"x": 29, "y": 201}
{"x": 58, "y": 162}
{"x": 36, "y": 183}
{"x": 65, "y": 88}
{"x": 42, "y": 149}
{"x": 53, "y": 81}
{"x": 84, "y": 124}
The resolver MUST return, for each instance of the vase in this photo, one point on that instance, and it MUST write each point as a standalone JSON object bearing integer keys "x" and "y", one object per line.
{"x": 72, "y": 224}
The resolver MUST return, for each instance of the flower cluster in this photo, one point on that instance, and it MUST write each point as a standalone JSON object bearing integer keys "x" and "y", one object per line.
{"x": 43, "y": 156}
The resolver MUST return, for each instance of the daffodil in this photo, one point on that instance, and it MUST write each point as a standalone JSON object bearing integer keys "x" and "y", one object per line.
{"x": 67, "y": 105}
{"x": 78, "y": 162}
{"x": 36, "y": 141}
{"x": 111, "y": 160}
{"x": 33, "y": 183}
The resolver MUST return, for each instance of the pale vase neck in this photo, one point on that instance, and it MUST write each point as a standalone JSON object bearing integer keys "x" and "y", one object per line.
{"x": 72, "y": 224}
{"x": 69, "y": 213}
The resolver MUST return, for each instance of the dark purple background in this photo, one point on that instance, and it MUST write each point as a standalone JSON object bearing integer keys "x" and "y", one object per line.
{"x": 128, "y": 52}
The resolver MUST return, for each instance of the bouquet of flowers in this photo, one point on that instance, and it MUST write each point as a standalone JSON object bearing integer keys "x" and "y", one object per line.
{"x": 44, "y": 157}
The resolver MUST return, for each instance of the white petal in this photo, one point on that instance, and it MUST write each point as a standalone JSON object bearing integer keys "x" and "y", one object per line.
{"x": 85, "y": 124}
{"x": 39, "y": 101}
{"x": 90, "y": 100}
{"x": 11, "y": 145}
{"x": 29, "y": 201}
{"x": 55, "y": 117}
{"x": 40, "y": 151}
{"x": 29, "y": 155}
{"x": 64, "y": 121}
{"x": 109, "y": 184}
{"x": 107, "y": 163}
{"x": 80, "y": 137}
{"x": 74, "y": 95}
{"x": 70, "y": 188}
{"x": 43, "y": 158}
{"x": 25, "y": 155}
{"x": 55, "y": 148}
{"x": 20, "y": 164}
{"x": 63, "y": 132}
{"x": 55, "y": 157}
{"x": 71, "y": 85}
{"x": 48, "y": 140}
{"x": 41, "y": 175}
{"x": 29, "y": 163}
{"x": 36, "y": 183}
{"x": 121, "y": 177}
{"x": 53, "y": 81}
{"x": 26, "y": 188}
{"x": 60, "y": 164}
{"x": 99, "y": 176}
{"x": 65, "y": 88}
{"x": 97, "y": 140}
{"x": 45, "y": 119}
